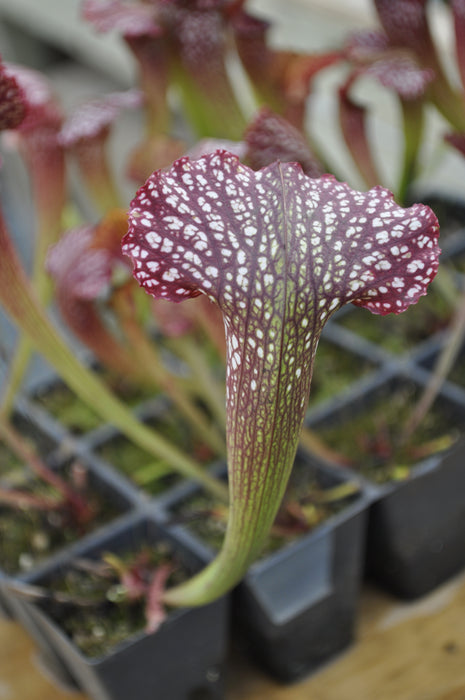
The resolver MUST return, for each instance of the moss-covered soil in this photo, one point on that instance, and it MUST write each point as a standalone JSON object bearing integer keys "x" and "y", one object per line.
{"x": 107, "y": 616}
{"x": 371, "y": 439}
{"x": 30, "y": 535}
{"x": 334, "y": 370}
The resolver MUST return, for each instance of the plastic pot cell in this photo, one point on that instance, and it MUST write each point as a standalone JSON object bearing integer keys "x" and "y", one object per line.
{"x": 183, "y": 659}
{"x": 31, "y": 537}
{"x": 416, "y": 524}
{"x": 9, "y": 465}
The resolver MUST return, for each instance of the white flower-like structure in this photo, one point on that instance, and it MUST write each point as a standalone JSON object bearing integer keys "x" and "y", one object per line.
{"x": 279, "y": 252}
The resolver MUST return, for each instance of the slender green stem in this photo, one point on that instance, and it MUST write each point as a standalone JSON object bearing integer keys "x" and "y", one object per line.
{"x": 151, "y": 56}
{"x": 20, "y": 362}
{"x": 449, "y": 103}
{"x": 50, "y": 213}
{"x": 97, "y": 175}
{"x": 207, "y": 385}
{"x": 443, "y": 365}
{"x": 16, "y": 372}
{"x": 260, "y": 460}
{"x": 338, "y": 493}
{"x": 211, "y": 106}
{"x": 413, "y": 119}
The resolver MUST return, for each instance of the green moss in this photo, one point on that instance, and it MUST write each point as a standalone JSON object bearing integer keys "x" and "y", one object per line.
{"x": 335, "y": 369}
{"x": 28, "y": 536}
{"x": 457, "y": 374}
{"x": 109, "y": 617}
{"x": 10, "y": 466}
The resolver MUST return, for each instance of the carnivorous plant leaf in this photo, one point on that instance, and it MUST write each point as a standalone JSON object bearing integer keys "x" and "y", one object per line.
{"x": 182, "y": 43}
{"x": 281, "y": 79}
{"x": 12, "y": 102}
{"x": 85, "y": 133}
{"x": 270, "y": 137}
{"x": 279, "y": 253}
{"x": 406, "y": 23}
{"x": 400, "y": 72}
{"x": 132, "y": 19}
{"x": 364, "y": 46}
{"x": 36, "y": 137}
{"x": 82, "y": 267}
